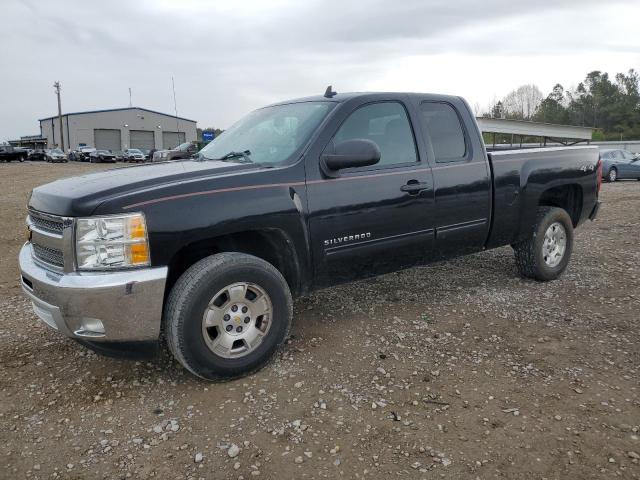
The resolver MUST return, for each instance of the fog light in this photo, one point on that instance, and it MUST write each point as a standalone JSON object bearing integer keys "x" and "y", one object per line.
{"x": 90, "y": 327}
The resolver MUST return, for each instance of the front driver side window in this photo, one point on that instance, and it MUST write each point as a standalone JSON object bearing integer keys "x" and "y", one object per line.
{"x": 388, "y": 126}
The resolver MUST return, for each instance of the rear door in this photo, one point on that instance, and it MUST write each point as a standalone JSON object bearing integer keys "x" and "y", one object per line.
{"x": 462, "y": 180}
{"x": 364, "y": 222}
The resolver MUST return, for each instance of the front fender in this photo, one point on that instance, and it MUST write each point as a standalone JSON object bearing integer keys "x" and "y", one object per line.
{"x": 188, "y": 212}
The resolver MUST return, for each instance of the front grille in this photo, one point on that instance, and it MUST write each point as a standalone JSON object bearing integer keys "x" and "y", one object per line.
{"x": 49, "y": 255}
{"x": 48, "y": 237}
{"x": 48, "y": 223}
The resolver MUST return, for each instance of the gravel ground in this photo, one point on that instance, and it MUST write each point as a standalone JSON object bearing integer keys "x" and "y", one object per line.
{"x": 456, "y": 370}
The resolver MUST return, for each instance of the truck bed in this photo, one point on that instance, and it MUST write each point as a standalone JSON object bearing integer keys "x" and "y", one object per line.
{"x": 521, "y": 178}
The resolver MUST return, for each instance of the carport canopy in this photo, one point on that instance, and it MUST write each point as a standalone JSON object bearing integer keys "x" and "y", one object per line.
{"x": 565, "y": 134}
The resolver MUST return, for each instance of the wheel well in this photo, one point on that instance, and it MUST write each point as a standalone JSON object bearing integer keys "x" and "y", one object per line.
{"x": 270, "y": 245}
{"x": 567, "y": 197}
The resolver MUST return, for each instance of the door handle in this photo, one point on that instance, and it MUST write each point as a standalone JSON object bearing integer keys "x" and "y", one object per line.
{"x": 413, "y": 187}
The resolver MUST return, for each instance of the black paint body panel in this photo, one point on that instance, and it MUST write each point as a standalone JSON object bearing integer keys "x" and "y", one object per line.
{"x": 345, "y": 226}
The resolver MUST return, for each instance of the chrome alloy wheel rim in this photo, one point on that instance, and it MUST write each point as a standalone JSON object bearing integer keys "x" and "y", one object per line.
{"x": 613, "y": 175}
{"x": 554, "y": 244}
{"x": 237, "y": 319}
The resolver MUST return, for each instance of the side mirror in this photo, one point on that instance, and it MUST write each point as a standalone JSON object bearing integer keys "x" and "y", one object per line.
{"x": 358, "y": 152}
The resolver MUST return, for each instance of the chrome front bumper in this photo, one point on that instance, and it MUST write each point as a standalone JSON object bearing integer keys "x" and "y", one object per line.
{"x": 99, "y": 306}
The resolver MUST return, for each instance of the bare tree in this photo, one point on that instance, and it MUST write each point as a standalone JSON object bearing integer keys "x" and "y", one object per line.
{"x": 522, "y": 102}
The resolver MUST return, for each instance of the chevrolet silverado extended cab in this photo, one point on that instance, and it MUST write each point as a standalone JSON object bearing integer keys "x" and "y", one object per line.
{"x": 207, "y": 253}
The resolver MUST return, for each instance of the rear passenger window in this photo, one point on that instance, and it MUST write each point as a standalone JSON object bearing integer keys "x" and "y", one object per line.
{"x": 388, "y": 126}
{"x": 444, "y": 130}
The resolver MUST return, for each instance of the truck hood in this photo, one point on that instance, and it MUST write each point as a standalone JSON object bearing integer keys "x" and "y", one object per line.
{"x": 81, "y": 195}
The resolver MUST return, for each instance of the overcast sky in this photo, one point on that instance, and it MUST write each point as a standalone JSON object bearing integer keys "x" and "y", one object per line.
{"x": 229, "y": 57}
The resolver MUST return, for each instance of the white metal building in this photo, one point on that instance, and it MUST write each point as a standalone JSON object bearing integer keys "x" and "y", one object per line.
{"x": 119, "y": 128}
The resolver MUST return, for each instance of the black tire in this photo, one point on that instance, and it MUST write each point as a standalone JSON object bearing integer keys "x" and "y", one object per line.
{"x": 529, "y": 253}
{"x": 614, "y": 177}
{"x": 190, "y": 296}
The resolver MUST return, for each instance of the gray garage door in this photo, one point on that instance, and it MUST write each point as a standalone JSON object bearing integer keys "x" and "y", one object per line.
{"x": 172, "y": 139}
{"x": 142, "y": 139}
{"x": 107, "y": 139}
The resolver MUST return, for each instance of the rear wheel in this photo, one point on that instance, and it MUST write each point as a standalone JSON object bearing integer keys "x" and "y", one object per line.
{"x": 227, "y": 315}
{"x": 545, "y": 255}
{"x": 613, "y": 175}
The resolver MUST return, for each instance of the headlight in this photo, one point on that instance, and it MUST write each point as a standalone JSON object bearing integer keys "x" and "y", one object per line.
{"x": 117, "y": 241}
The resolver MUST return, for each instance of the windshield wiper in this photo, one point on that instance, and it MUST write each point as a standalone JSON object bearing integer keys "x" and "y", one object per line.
{"x": 244, "y": 154}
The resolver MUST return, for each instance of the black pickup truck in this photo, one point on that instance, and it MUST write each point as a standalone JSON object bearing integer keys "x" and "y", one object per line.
{"x": 208, "y": 252}
{"x": 9, "y": 153}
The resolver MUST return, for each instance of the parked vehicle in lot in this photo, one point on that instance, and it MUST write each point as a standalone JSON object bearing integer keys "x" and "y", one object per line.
{"x": 619, "y": 164}
{"x": 102, "y": 156}
{"x": 55, "y": 155}
{"x": 185, "y": 150}
{"x": 9, "y": 153}
{"x": 296, "y": 196}
{"x": 82, "y": 154}
{"x": 134, "y": 155}
{"x": 37, "y": 155}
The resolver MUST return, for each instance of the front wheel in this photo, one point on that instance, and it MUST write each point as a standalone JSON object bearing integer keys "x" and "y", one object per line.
{"x": 227, "y": 315}
{"x": 613, "y": 175}
{"x": 545, "y": 255}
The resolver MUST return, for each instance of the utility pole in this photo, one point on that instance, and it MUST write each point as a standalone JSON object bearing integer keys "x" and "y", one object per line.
{"x": 56, "y": 85}
{"x": 175, "y": 106}
{"x": 130, "y": 104}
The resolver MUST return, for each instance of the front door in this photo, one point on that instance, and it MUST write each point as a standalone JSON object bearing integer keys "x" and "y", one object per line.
{"x": 375, "y": 219}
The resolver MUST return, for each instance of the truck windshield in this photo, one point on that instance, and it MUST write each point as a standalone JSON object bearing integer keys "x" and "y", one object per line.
{"x": 270, "y": 135}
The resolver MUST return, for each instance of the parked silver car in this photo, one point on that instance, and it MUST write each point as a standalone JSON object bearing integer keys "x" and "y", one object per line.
{"x": 134, "y": 155}
{"x": 55, "y": 155}
{"x": 619, "y": 164}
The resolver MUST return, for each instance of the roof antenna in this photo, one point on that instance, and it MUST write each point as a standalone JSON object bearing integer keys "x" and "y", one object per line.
{"x": 329, "y": 93}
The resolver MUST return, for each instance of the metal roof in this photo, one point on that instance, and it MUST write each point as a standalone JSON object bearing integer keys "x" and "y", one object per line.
{"x": 534, "y": 129}
{"x": 117, "y": 110}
